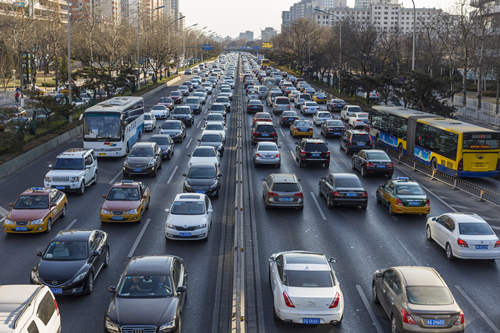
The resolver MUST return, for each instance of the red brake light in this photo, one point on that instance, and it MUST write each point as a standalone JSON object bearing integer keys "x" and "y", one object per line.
{"x": 460, "y": 319}
{"x": 335, "y": 301}
{"x": 272, "y": 194}
{"x": 407, "y": 318}
{"x": 399, "y": 202}
{"x": 299, "y": 195}
{"x": 303, "y": 153}
{"x": 390, "y": 165}
{"x": 462, "y": 243}
{"x": 258, "y": 155}
{"x": 278, "y": 155}
{"x": 288, "y": 301}
{"x": 254, "y": 133}
{"x": 328, "y": 154}
{"x": 336, "y": 194}
{"x": 427, "y": 202}
{"x": 274, "y": 134}
{"x": 497, "y": 244}
{"x": 365, "y": 195}
{"x": 370, "y": 164}
{"x": 56, "y": 306}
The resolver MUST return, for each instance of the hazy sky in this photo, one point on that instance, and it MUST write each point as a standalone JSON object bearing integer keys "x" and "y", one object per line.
{"x": 230, "y": 17}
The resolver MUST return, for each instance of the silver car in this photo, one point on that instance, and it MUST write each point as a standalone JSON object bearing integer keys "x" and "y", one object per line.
{"x": 267, "y": 153}
{"x": 282, "y": 190}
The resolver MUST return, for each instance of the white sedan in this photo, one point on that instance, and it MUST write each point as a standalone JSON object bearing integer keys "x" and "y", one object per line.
{"x": 189, "y": 217}
{"x": 149, "y": 121}
{"x": 216, "y": 126}
{"x": 204, "y": 154}
{"x": 320, "y": 117}
{"x": 464, "y": 236}
{"x": 305, "y": 288}
{"x": 309, "y": 108}
{"x": 160, "y": 111}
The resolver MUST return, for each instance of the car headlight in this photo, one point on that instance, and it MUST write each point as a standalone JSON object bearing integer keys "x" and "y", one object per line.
{"x": 75, "y": 179}
{"x": 167, "y": 327}
{"x": 105, "y": 211}
{"x": 131, "y": 211}
{"x": 151, "y": 163}
{"x": 170, "y": 226}
{"x": 8, "y": 222}
{"x": 111, "y": 326}
{"x": 79, "y": 277}
{"x": 48, "y": 179}
{"x": 39, "y": 221}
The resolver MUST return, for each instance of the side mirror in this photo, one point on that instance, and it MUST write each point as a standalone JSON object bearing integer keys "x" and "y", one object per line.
{"x": 378, "y": 274}
{"x": 185, "y": 175}
{"x": 112, "y": 289}
{"x": 219, "y": 175}
{"x": 39, "y": 253}
{"x": 181, "y": 289}
{"x": 271, "y": 259}
{"x": 103, "y": 196}
{"x": 332, "y": 260}
{"x": 11, "y": 204}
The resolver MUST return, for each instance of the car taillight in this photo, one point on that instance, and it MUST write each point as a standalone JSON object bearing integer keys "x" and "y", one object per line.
{"x": 327, "y": 154}
{"x": 370, "y": 164}
{"x": 399, "y": 202}
{"x": 407, "y": 318}
{"x": 427, "y": 202}
{"x": 56, "y": 306}
{"x": 462, "y": 243}
{"x": 288, "y": 301}
{"x": 335, "y": 301}
{"x": 336, "y": 194}
{"x": 497, "y": 244}
{"x": 365, "y": 194}
{"x": 274, "y": 134}
{"x": 303, "y": 153}
{"x": 272, "y": 194}
{"x": 299, "y": 195}
{"x": 460, "y": 319}
{"x": 461, "y": 165}
{"x": 278, "y": 155}
{"x": 390, "y": 165}
{"x": 258, "y": 155}
{"x": 254, "y": 133}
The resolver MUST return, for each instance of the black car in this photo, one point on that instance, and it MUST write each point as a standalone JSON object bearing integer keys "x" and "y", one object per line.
{"x": 203, "y": 178}
{"x": 184, "y": 114}
{"x": 355, "y": 140}
{"x": 144, "y": 159}
{"x": 254, "y": 106}
{"x": 175, "y": 129}
{"x": 334, "y": 128}
{"x": 312, "y": 151}
{"x": 288, "y": 117}
{"x": 343, "y": 189}
{"x": 149, "y": 296}
{"x": 166, "y": 144}
{"x": 373, "y": 162}
{"x": 264, "y": 131}
{"x": 72, "y": 261}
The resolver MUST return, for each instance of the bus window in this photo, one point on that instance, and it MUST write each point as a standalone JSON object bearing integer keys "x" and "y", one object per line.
{"x": 437, "y": 140}
{"x": 486, "y": 140}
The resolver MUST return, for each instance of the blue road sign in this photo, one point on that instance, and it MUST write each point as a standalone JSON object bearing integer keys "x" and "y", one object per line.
{"x": 207, "y": 47}
{"x": 256, "y": 47}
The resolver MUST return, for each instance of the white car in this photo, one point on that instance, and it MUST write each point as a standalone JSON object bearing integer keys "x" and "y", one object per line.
{"x": 464, "y": 236}
{"x": 215, "y": 116}
{"x": 305, "y": 288}
{"x": 347, "y": 110}
{"x": 358, "y": 120}
{"x": 149, "y": 121}
{"x": 204, "y": 154}
{"x": 216, "y": 126}
{"x": 73, "y": 170}
{"x": 267, "y": 153}
{"x": 160, "y": 111}
{"x": 309, "y": 108}
{"x": 189, "y": 217}
{"x": 320, "y": 117}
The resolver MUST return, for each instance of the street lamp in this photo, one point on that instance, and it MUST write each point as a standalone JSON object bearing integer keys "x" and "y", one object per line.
{"x": 414, "y": 27}
{"x": 184, "y": 40}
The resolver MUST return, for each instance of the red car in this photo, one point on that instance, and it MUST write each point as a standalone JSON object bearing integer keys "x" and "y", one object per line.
{"x": 262, "y": 116}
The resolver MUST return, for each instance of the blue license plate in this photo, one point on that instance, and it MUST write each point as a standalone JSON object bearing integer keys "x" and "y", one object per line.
{"x": 60, "y": 187}
{"x": 303, "y": 129}
{"x": 381, "y": 166}
{"x": 360, "y": 143}
{"x": 351, "y": 195}
{"x": 185, "y": 234}
{"x": 481, "y": 247}
{"x": 265, "y": 134}
{"x": 201, "y": 192}
{"x": 291, "y": 119}
{"x": 336, "y": 133}
{"x": 21, "y": 228}
{"x": 117, "y": 218}
{"x": 137, "y": 170}
{"x": 311, "y": 321}
{"x": 56, "y": 291}
{"x": 286, "y": 199}
{"x": 434, "y": 322}
{"x": 413, "y": 203}
{"x": 316, "y": 154}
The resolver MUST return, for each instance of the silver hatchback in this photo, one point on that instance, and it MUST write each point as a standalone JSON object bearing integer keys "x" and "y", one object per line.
{"x": 282, "y": 190}
{"x": 267, "y": 153}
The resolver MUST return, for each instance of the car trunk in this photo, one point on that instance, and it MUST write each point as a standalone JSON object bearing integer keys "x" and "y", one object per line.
{"x": 311, "y": 299}
{"x": 480, "y": 242}
{"x": 437, "y": 316}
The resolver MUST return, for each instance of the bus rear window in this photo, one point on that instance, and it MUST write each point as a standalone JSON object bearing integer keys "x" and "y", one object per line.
{"x": 487, "y": 140}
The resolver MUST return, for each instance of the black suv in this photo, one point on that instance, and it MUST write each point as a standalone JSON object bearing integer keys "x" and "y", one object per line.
{"x": 355, "y": 140}
{"x": 264, "y": 131}
{"x": 310, "y": 151}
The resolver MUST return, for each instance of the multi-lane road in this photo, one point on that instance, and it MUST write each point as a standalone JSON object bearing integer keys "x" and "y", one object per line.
{"x": 360, "y": 241}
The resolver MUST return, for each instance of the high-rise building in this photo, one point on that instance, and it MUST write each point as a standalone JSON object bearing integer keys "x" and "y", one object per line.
{"x": 247, "y": 36}
{"x": 267, "y": 34}
{"x": 368, "y": 3}
{"x": 285, "y": 19}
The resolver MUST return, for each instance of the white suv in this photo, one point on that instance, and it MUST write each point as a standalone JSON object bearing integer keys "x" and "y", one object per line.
{"x": 73, "y": 170}
{"x": 28, "y": 308}
{"x": 347, "y": 110}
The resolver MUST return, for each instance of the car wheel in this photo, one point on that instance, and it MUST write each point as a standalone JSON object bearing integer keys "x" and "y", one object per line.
{"x": 449, "y": 252}
{"x": 89, "y": 286}
{"x": 49, "y": 226}
{"x": 154, "y": 172}
{"x": 394, "y": 325}
{"x": 364, "y": 206}
{"x": 169, "y": 156}
{"x": 374, "y": 294}
{"x": 329, "y": 202}
{"x": 95, "y": 178}
{"x": 81, "y": 191}
{"x": 63, "y": 212}
{"x": 428, "y": 234}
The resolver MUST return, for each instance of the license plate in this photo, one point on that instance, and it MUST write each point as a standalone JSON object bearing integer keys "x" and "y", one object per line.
{"x": 60, "y": 187}
{"x": 434, "y": 322}
{"x": 481, "y": 247}
{"x": 360, "y": 143}
{"x": 268, "y": 156}
{"x": 286, "y": 199}
{"x": 381, "y": 166}
{"x": 137, "y": 170}
{"x": 185, "y": 234}
{"x": 316, "y": 154}
{"x": 21, "y": 228}
{"x": 102, "y": 154}
{"x": 263, "y": 134}
{"x": 117, "y": 218}
{"x": 311, "y": 321}
{"x": 291, "y": 119}
{"x": 413, "y": 203}
{"x": 351, "y": 195}
{"x": 56, "y": 291}
{"x": 201, "y": 192}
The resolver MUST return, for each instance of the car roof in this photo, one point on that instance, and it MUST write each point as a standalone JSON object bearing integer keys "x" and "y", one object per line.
{"x": 125, "y": 183}
{"x": 204, "y": 148}
{"x": 466, "y": 217}
{"x": 189, "y": 197}
{"x": 143, "y": 144}
{"x": 74, "y": 152}
{"x": 299, "y": 260}
{"x": 354, "y": 131}
{"x": 36, "y": 191}
{"x": 204, "y": 165}
{"x": 343, "y": 175}
{"x": 149, "y": 265}
{"x": 13, "y": 301}
{"x": 308, "y": 140}
{"x": 67, "y": 235}
{"x": 284, "y": 178}
{"x": 420, "y": 276}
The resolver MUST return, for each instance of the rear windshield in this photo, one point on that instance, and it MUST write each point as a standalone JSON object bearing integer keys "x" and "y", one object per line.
{"x": 267, "y": 147}
{"x": 306, "y": 97}
{"x": 428, "y": 295}
{"x": 214, "y": 117}
{"x": 316, "y": 147}
{"x": 481, "y": 140}
{"x": 347, "y": 182}
{"x": 162, "y": 141}
{"x": 286, "y": 187}
{"x": 360, "y": 138}
{"x": 182, "y": 111}
{"x": 282, "y": 101}
{"x": 409, "y": 189}
{"x": 192, "y": 101}
{"x": 377, "y": 155}
{"x": 265, "y": 128}
{"x": 308, "y": 279}
{"x": 171, "y": 125}
{"x": 218, "y": 107}
{"x": 475, "y": 229}
{"x": 201, "y": 152}
{"x": 211, "y": 138}
{"x": 337, "y": 123}
{"x": 354, "y": 109}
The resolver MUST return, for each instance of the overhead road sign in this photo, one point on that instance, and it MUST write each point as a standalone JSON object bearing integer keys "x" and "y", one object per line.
{"x": 207, "y": 47}
{"x": 267, "y": 45}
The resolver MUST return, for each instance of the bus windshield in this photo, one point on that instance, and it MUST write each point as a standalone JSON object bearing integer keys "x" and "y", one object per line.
{"x": 486, "y": 140}
{"x": 101, "y": 126}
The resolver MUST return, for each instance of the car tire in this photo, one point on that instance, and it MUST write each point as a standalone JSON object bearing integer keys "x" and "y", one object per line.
{"x": 449, "y": 252}
{"x": 363, "y": 172}
{"x": 375, "y": 299}
{"x": 428, "y": 234}
{"x": 364, "y": 206}
{"x": 81, "y": 191}
{"x": 94, "y": 182}
{"x": 63, "y": 212}
{"x": 89, "y": 285}
{"x": 394, "y": 325}
{"x": 154, "y": 173}
{"x": 329, "y": 202}
{"x": 106, "y": 258}
{"x": 389, "y": 208}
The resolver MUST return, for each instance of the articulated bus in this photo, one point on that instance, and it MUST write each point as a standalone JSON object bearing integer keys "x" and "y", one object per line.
{"x": 451, "y": 146}
{"x": 112, "y": 127}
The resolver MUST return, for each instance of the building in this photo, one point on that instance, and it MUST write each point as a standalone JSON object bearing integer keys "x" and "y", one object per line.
{"x": 492, "y": 8}
{"x": 285, "y": 19}
{"x": 246, "y": 36}
{"x": 268, "y": 34}
{"x": 368, "y": 3}
{"x": 49, "y": 9}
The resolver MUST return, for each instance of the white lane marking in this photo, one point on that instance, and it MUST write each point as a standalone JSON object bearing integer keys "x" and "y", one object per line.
{"x": 375, "y": 321}
{"x": 199, "y": 123}
{"x": 478, "y": 310}
{"x": 318, "y": 206}
{"x": 293, "y": 155}
{"x": 189, "y": 142}
{"x": 495, "y": 227}
{"x": 138, "y": 239}
{"x": 412, "y": 257}
{"x": 115, "y": 177}
{"x": 282, "y": 133}
{"x": 3, "y": 212}
{"x": 172, "y": 175}
{"x": 71, "y": 224}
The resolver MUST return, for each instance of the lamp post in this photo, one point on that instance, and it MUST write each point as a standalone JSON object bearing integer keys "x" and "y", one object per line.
{"x": 413, "y": 42}
{"x": 184, "y": 40}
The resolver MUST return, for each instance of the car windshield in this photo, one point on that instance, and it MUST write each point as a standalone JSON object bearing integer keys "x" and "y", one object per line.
{"x": 324, "y": 115}
{"x": 311, "y": 104}
{"x": 171, "y": 125}
{"x": 166, "y": 100}
{"x": 201, "y": 172}
{"x": 362, "y": 115}
{"x": 141, "y": 152}
{"x": 160, "y": 140}
{"x": 123, "y": 194}
{"x": 192, "y": 101}
{"x": 305, "y": 97}
{"x": 175, "y": 93}
{"x": 267, "y": 147}
{"x": 316, "y": 146}
{"x": 69, "y": 164}
{"x": 188, "y": 208}
{"x": 263, "y": 116}
{"x": 202, "y": 152}
{"x": 158, "y": 108}
{"x": 255, "y": 102}
{"x": 409, "y": 189}
{"x": 145, "y": 286}
{"x": 475, "y": 229}
{"x": 211, "y": 138}
{"x": 428, "y": 295}
{"x": 377, "y": 155}
{"x": 286, "y": 187}
{"x": 32, "y": 201}
{"x": 308, "y": 279}
{"x": 215, "y": 117}
{"x": 354, "y": 109}
{"x": 336, "y": 123}
{"x": 214, "y": 127}
{"x": 147, "y": 117}
{"x": 347, "y": 182}
{"x": 102, "y": 126}
{"x": 182, "y": 110}
{"x": 304, "y": 123}
{"x": 282, "y": 101}
{"x": 66, "y": 250}
{"x": 218, "y": 107}
{"x": 360, "y": 138}
{"x": 264, "y": 128}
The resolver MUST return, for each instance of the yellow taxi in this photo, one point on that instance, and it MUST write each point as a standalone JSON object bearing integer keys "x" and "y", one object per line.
{"x": 320, "y": 98}
{"x": 302, "y": 128}
{"x": 126, "y": 201}
{"x": 35, "y": 210}
{"x": 403, "y": 196}
{"x": 293, "y": 94}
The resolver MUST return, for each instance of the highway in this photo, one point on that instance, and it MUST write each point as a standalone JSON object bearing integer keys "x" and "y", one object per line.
{"x": 360, "y": 241}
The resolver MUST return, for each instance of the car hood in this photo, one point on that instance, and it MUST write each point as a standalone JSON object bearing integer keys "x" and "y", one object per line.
{"x": 27, "y": 214}
{"x": 196, "y": 159}
{"x": 149, "y": 121}
{"x": 211, "y": 144}
{"x": 139, "y": 160}
{"x": 142, "y": 311}
{"x": 59, "y": 270}
{"x": 201, "y": 182}
{"x": 65, "y": 173}
{"x": 120, "y": 205}
{"x": 170, "y": 131}
{"x": 186, "y": 220}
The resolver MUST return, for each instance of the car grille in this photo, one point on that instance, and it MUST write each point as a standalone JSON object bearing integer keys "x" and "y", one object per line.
{"x": 60, "y": 179}
{"x": 117, "y": 212}
{"x": 22, "y": 223}
{"x": 186, "y": 228}
{"x": 139, "y": 329}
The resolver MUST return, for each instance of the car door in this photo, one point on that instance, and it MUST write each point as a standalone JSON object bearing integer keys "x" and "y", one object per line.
{"x": 54, "y": 204}
{"x": 439, "y": 231}
{"x": 388, "y": 196}
{"x": 386, "y": 290}
{"x": 95, "y": 253}
{"x": 178, "y": 280}
{"x": 277, "y": 278}
{"x": 328, "y": 186}
{"x": 266, "y": 187}
{"x": 208, "y": 206}
{"x": 144, "y": 193}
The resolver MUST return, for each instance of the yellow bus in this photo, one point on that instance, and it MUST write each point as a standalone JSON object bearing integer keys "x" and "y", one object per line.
{"x": 448, "y": 145}
{"x": 264, "y": 63}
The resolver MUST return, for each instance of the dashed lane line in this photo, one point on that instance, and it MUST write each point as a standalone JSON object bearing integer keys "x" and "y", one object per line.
{"x": 318, "y": 206}
{"x": 189, "y": 142}
{"x": 282, "y": 133}
{"x": 293, "y": 156}
{"x": 374, "y": 319}
{"x": 115, "y": 177}
{"x": 71, "y": 224}
{"x": 3, "y": 214}
{"x": 173, "y": 174}
{"x": 138, "y": 239}
{"x": 488, "y": 321}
